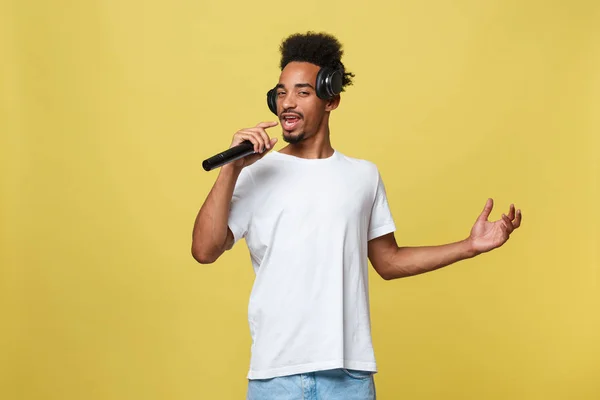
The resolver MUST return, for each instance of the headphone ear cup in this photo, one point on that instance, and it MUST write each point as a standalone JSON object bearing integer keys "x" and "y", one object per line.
{"x": 336, "y": 82}
{"x": 321, "y": 84}
{"x": 272, "y": 100}
{"x": 329, "y": 83}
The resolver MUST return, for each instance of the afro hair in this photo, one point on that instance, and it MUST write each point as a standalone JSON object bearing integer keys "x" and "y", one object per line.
{"x": 321, "y": 49}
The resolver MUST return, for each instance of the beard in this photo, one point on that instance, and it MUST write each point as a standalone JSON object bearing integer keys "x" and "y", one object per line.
{"x": 293, "y": 139}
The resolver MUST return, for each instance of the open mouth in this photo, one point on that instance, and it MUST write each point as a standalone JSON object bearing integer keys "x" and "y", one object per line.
{"x": 290, "y": 121}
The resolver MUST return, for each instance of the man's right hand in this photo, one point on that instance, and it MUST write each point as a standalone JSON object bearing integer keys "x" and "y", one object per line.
{"x": 259, "y": 138}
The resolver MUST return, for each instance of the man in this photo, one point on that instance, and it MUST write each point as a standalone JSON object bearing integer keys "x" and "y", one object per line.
{"x": 311, "y": 217}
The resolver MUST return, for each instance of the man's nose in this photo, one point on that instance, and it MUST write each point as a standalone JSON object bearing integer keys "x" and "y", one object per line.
{"x": 289, "y": 101}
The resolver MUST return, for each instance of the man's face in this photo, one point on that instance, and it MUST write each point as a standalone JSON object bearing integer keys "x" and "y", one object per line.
{"x": 299, "y": 109}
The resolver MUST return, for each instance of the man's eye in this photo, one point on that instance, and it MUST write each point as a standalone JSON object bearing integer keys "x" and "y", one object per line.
{"x": 304, "y": 93}
{"x": 280, "y": 94}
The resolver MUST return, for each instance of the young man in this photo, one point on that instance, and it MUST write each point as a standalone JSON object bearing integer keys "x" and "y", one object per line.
{"x": 311, "y": 217}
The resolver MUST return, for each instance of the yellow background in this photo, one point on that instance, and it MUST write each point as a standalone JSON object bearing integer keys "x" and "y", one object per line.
{"x": 109, "y": 107}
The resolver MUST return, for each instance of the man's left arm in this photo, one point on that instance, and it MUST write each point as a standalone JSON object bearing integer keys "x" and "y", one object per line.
{"x": 392, "y": 262}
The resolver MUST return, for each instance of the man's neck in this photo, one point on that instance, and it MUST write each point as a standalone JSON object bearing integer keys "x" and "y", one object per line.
{"x": 317, "y": 146}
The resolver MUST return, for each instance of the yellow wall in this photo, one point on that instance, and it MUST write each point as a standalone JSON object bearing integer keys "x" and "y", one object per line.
{"x": 109, "y": 107}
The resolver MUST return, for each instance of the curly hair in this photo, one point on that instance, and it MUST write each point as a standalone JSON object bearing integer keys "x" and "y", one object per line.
{"x": 321, "y": 49}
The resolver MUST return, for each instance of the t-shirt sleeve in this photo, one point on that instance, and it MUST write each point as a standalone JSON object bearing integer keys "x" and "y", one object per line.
{"x": 381, "y": 221}
{"x": 240, "y": 209}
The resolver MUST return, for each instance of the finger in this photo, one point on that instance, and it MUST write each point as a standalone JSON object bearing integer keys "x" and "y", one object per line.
{"x": 267, "y": 124}
{"x": 507, "y": 223}
{"x": 511, "y": 212}
{"x": 251, "y": 137}
{"x": 264, "y": 136}
{"x": 272, "y": 141}
{"x": 261, "y": 142}
{"x": 486, "y": 210}
{"x": 241, "y": 137}
{"x": 517, "y": 221}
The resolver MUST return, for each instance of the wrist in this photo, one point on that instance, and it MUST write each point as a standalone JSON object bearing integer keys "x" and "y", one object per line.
{"x": 230, "y": 170}
{"x": 469, "y": 248}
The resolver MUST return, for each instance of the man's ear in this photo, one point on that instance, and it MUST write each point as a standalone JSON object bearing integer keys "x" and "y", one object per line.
{"x": 333, "y": 103}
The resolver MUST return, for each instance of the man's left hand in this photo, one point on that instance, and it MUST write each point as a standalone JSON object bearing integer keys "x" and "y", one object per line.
{"x": 487, "y": 235}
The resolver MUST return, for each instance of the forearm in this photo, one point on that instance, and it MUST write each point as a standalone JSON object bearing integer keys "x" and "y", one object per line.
{"x": 210, "y": 227}
{"x": 409, "y": 261}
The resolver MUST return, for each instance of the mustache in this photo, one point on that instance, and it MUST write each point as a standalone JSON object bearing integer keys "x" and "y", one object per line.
{"x": 291, "y": 112}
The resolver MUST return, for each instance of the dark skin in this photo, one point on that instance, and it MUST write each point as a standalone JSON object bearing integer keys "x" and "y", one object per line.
{"x": 296, "y": 95}
{"x": 309, "y": 137}
{"x": 392, "y": 262}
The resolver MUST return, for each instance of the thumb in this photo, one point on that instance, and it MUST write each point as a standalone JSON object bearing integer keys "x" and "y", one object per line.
{"x": 486, "y": 210}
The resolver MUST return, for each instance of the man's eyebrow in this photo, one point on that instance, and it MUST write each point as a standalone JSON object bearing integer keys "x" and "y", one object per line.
{"x": 301, "y": 85}
{"x": 298, "y": 85}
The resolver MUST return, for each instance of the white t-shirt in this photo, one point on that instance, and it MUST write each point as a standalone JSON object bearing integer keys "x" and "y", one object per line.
{"x": 306, "y": 223}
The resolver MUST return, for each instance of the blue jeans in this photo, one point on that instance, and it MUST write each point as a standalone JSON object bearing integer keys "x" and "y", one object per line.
{"x": 335, "y": 384}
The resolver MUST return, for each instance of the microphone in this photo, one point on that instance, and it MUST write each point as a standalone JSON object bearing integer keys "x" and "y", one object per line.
{"x": 236, "y": 152}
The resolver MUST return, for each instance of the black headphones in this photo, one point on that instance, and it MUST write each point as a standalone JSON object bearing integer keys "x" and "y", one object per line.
{"x": 329, "y": 85}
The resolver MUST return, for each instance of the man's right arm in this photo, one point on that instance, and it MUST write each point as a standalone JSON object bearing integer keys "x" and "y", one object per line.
{"x": 211, "y": 235}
